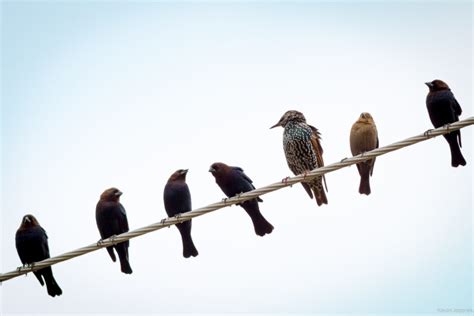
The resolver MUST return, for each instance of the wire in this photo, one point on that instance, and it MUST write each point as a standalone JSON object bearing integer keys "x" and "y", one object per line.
{"x": 238, "y": 199}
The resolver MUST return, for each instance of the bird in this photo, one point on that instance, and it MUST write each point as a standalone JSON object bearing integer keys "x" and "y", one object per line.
{"x": 32, "y": 246}
{"x": 233, "y": 181}
{"x": 303, "y": 151}
{"x": 443, "y": 108}
{"x": 177, "y": 199}
{"x": 364, "y": 138}
{"x": 112, "y": 220}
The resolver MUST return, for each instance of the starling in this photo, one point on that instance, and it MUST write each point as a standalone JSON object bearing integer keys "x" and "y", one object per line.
{"x": 364, "y": 138}
{"x": 112, "y": 220}
{"x": 233, "y": 181}
{"x": 32, "y": 246}
{"x": 177, "y": 200}
{"x": 303, "y": 151}
{"x": 444, "y": 109}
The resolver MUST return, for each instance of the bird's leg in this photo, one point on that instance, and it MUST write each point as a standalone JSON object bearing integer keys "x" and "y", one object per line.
{"x": 344, "y": 159}
{"x": 178, "y": 216}
{"x": 100, "y": 242}
{"x": 112, "y": 239}
{"x": 285, "y": 180}
{"x": 428, "y": 133}
{"x": 447, "y": 126}
{"x": 224, "y": 200}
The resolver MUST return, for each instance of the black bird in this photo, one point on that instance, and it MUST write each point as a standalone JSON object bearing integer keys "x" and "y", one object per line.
{"x": 303, "y": 151}
{"x": 444, "y": 109}
{"x": 177, "y": 200}
{"x": 112, "y": 220}
{"x": 232, "y": 181}
{"x": 32, "y": 246}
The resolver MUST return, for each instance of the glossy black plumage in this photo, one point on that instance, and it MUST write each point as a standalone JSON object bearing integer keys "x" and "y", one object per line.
{"x": 443, "y": 108}
{"x": 32, "y": 246}
{"x": 177, "y": 199}
{"x": 112, "y": 220}
{"x": 233, "y": 181}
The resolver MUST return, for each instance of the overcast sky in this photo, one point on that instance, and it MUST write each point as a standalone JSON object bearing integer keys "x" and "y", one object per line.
{"x": 101, "y": 94}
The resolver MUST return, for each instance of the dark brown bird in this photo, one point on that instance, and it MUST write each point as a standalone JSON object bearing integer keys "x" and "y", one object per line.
{"x": 303, "y": 151}
{"x": 364, "y": 138}
{"x": 233, "y": 181}
{"x": 32, "y": 246}
{"x": 177, "y": 200}
{"x": 112, "y": 220}
{"x": 444, "y": 109}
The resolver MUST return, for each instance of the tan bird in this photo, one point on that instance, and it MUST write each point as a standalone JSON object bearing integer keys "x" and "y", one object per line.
{"x": 364, "y": 138}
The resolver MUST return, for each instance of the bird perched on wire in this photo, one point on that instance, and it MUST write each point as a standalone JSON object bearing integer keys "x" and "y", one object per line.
{"x": 364, "y": 138}
{"x": 112, "y": 220}
{"x": 303, "y": 151}
{"x": 233, "y": 181}
{"x": 177, "y": 200}
{"x": 444, "y": 109}
{"x": 32, "y": 246}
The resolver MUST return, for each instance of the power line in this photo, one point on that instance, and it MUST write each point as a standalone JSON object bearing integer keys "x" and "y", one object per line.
{"x": 238, "y": 199}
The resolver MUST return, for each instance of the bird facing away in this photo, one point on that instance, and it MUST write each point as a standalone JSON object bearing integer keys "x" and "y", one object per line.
{"x": 233, "y": 181}
{"x": 364, "y": 138}
{"x": 112, "y": 220}
{"x": 444, "y": 109}
{"x": 177, "y": 200}
{"x": 303, "y": 151}
{"x": 32, "y": 246}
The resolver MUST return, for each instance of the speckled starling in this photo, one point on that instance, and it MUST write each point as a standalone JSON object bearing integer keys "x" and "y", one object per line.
{"x": 303, "y": 151}
{"x": 32, "y": 246}
{"x": 364, "y": 138}
{"x": 233, "y": 181}
{"x": 112, "y": 220}
{"x": 444, "y": 109}
{"x": 177, "y": 200}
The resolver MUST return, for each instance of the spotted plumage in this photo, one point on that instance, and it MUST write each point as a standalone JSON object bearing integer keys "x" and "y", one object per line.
{"x": 303, "y": 151}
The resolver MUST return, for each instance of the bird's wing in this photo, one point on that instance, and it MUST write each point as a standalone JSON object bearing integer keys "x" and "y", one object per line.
{"x": 247, "y": 179}
{"x": 373, "y": 161}
{"x": 123, "y": 218}
{"x": 318, "y": 150}
{"x": 44, "y": 244}
{"x": 456, "y": 107}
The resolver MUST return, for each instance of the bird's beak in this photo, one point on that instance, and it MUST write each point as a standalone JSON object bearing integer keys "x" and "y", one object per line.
{"x": 27, "y": 220}
{"x": 429, "y": 84}
{"x": 184, "y": 171}
{"x": 277, "y": 124}
{"x": 119, "y": 193}
{"x": 212, "y": 169}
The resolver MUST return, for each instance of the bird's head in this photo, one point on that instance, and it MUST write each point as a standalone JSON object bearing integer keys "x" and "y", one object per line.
{"x": 29, "y": 221}
{"x": 290, "y": 116}
{"x": 178, "y": 175}
{"x": 365, "y": 117}
{"x": 437, "y": 85}
{"x": 218, "y": 169}
{"x": 111, "y": 195}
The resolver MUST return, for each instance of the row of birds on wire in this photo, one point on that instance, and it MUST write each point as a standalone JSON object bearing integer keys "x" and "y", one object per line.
{"x": 303, "y": 151}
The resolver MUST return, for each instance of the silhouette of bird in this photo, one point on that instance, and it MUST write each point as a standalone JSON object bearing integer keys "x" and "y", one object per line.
{"x": 112, "y": 220}
{"x": 364, "y": 138}
{"x": 444, "y": 109}
{"x": 177, "y": 200}
{"x": 233, "y": 181}
{"x": 32, "y": 246}
{"x": 303, "y": 151}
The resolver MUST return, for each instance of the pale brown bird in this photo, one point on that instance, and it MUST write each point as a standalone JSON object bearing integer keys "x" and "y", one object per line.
{"x": 364, "y": 138}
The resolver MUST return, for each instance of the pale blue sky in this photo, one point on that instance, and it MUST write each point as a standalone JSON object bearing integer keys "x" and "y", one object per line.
{"x": 100, "y": 94}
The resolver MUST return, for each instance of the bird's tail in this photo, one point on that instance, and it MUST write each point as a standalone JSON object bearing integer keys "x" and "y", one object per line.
{"x": 364, "y": 171}
{"x": 260, "y": 224}
{"x": 318, "y": 190}
{"x": 122, "y": 251}
{"x": 457, "y": 158}
{"x": 51, "y": 285}
{"x": 188, "y": 245}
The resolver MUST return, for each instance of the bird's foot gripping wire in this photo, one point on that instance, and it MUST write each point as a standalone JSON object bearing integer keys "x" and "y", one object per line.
{"x": 428, "y": 133}
{"x": 344, "y": 159}
{"x": 447, "y": 126}
{"x": 225, "y": 200}
{"x": 285, "y": 181}
{"x": 178, "y": 216}
{"x": 100, "y": 242}
{"x": 112, "y": 239}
